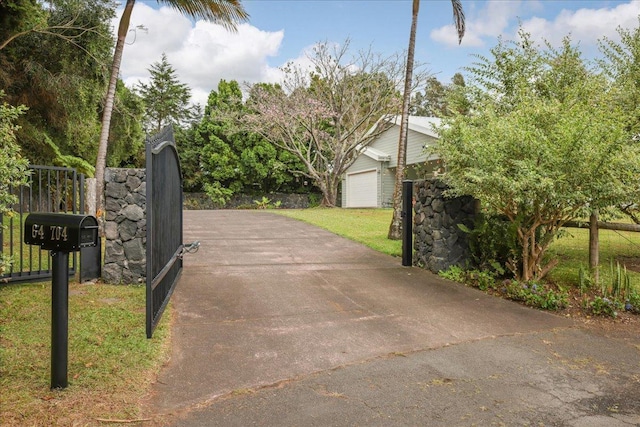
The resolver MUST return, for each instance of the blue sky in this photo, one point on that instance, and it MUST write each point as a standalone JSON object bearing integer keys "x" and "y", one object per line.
{"x": 280, "y": 31}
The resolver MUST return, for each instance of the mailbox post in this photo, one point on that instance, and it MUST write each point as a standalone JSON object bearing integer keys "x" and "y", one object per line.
{"x": 61, "y": 234}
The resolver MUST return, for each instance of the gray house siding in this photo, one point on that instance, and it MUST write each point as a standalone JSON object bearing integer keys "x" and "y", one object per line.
{"x": 383, "y": 158}
{"x": 388, "y": 143}
{"x": 416, "y": 143}
{"x": 363, "y": 163}
{"x": 387, "y": 178}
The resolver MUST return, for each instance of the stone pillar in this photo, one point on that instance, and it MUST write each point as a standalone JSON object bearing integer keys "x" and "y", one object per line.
{"x": 438, "y": 241}
{"x": 125, "y": 226}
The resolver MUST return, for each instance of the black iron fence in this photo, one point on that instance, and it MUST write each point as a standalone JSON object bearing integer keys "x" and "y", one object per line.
{"x": 50, "y": 189}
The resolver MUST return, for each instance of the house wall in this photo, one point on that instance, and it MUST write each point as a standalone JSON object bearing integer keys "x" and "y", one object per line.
{"x": 387, "y": 142}
{"x": 415, "y": 147}
{"x": 387, "y": 182}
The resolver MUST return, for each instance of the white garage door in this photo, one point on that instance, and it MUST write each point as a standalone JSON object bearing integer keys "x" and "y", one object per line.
{"x": 362, "y": 190}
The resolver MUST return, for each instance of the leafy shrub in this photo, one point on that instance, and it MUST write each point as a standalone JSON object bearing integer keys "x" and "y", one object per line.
{"x": 633, "y": 302}
{"x": 603, "y": 306}
{"x": 265, "y": 203}
{"x": 536, "y": 295}
{"x": 314, "y": 200}
{"x": 614, "y": 295}
{"x": 5, "y": 263}
{"x": 533, "y": 294}
{"x": 454, "y": 273}
{"x": 217, "y": 193}
{"x": 483, "y": 280}
{"x": 493, "y": 243}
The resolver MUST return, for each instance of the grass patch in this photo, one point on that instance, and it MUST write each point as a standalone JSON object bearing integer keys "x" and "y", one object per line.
{"x": 111, "y": 362}
{"x": 366, "y": 226}
{"x": 572, "y": 249}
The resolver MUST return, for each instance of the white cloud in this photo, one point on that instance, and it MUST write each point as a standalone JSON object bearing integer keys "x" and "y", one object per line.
{"x": 490, "y": 21}
{"x": 202, "y": 53}
{"x": 496, "y": 18}
{"x": 584, "y": 25}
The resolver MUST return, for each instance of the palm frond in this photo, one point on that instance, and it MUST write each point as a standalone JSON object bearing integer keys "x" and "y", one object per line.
{"x": 458, "y": 18}
{"x": 227, "y": 13}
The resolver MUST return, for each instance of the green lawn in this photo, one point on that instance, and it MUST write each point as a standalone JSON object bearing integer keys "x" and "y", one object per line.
{"x": 367, "y": 226}
{"x": 572, "y": 250}
{"x": 111, "y": 362}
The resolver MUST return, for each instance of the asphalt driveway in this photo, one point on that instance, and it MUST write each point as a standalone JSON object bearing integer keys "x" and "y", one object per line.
{"x": 279, "y": 323}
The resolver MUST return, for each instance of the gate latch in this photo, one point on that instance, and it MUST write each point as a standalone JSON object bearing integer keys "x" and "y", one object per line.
{"x": 191, "y": 248}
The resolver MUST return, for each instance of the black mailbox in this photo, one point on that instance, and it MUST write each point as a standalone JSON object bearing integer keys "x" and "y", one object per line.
{"x": 61, "y": 232}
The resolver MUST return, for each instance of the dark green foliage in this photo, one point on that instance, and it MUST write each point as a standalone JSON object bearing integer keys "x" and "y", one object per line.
{"x": 224, "y": 159}
{"x": 57, "y": 67}
{"x": 533, "y": 294}
{"x": 603, "y": 306}
{"x": 493, "y": 243}
{"x": 440, "y": 100}
{"x": 611, "y": 295}
{"x": 166, "y": 99}
{"x": 126, "y": 138}
{"x": 536, "y": 294}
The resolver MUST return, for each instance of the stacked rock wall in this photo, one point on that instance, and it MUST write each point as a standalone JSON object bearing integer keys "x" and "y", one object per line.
{"x": 125, "y": 226}
{"x": 438, "y": 241}
{"x": 197, "y": 201}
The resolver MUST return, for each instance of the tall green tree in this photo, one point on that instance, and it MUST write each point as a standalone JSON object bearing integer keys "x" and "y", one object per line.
{"x": 13, "y": 166}
{"x": 545, "y": 144}
{"x": 226, "y": 159}
{"x": 435, "y": 101}
{"x": 127, "y": 136}
{"x": 395, "y": 228}
{"x": 224, "y": 12}
{"x": 621, "y": 63}
{"x": 60, "y": 75}
{"x": 166, "y": 99}
{"x": 431, "y": 103}
{"x": 18, "y": 19}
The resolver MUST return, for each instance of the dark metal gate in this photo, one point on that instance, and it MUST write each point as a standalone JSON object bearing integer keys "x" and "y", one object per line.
{"x": 164, "y": 223}
{"x": 50, "y": 189}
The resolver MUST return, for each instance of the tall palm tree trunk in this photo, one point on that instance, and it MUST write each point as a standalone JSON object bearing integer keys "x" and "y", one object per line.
{"x": 395, "y": 229}
{"x": 101, "y": 161}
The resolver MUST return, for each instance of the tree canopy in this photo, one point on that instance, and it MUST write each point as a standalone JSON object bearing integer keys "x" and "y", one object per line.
{"x": 13, "y": 166}
{"x": 621, "y": 64}
{"x": 53, "y": 61}
{"x": 223, "y": 158}
{"x": 324, "y": 116}
{"x": 166, "y": 98}
{"x": 544, "y": 143}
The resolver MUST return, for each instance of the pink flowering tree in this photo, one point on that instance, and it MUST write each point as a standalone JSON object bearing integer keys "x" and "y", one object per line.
{"x": 328, "y": 113}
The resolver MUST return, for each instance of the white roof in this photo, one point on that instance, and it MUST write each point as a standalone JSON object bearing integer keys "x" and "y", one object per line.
{"x": 419, "y": 124}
